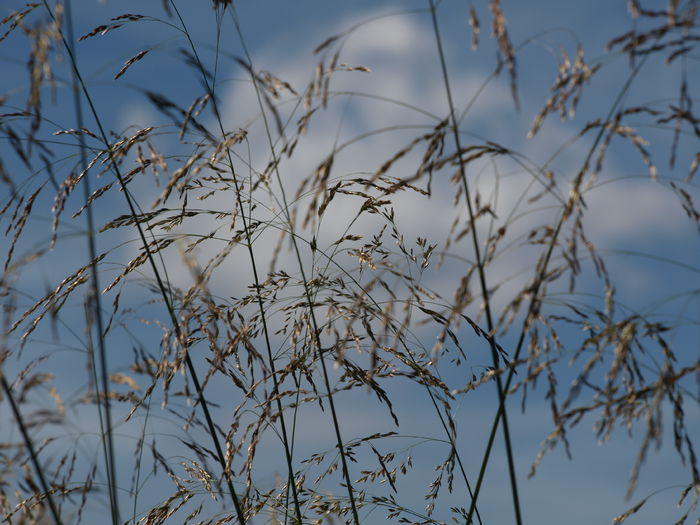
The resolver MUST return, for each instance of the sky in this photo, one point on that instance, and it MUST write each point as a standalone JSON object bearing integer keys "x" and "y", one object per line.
{"x": 395, "y": 93}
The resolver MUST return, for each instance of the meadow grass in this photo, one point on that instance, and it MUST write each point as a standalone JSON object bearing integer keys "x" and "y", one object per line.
{"x": 240, "y": 326}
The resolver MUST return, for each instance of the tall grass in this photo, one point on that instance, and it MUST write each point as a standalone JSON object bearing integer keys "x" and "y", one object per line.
{"x": 249, "y": 314}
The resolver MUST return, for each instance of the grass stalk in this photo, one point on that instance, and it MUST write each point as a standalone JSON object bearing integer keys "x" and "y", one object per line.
{"x": 480, "y": 266}
{"x": 161, "y": 286}
{"x": 307, "y": 292}
{"x": 539, "y": 281}
{"x": 254, "y": 267}
{"x": 319, "y": 359}
{"x": 38, "y": 469}
{"x": 94, "y": 299}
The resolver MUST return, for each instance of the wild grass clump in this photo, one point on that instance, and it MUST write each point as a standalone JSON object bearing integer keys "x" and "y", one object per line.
{"x": 265, "y": 299}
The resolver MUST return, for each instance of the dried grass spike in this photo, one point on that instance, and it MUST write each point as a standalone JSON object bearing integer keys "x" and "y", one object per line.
{"x": 138, "y": 56}
{"x": 474, "y": 23}
{"x": 506, "y": 51}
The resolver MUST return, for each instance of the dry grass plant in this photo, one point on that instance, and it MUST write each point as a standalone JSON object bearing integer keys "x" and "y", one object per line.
{"x": 244, "y": 362}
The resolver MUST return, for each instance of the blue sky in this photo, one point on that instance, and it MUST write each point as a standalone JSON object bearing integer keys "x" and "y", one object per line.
{"x": 649, "y": 244}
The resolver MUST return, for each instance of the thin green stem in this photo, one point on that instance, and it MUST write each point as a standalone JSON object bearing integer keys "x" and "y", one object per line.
{"x": 30, "y": 448}
{"x": 94, "y": 298}
{"x": 480, "y": 266}
{"x": 161, "y": 285}
{"x": 307, "y": 292}
{"x": 534, "y": 305}
{"x": 251, "y": 254}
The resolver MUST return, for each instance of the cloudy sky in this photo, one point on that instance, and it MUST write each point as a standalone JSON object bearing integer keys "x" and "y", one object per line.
{"x": 391, "y": 92}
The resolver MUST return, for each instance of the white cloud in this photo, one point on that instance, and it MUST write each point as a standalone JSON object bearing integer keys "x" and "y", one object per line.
{"x": 634, "y": 210}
